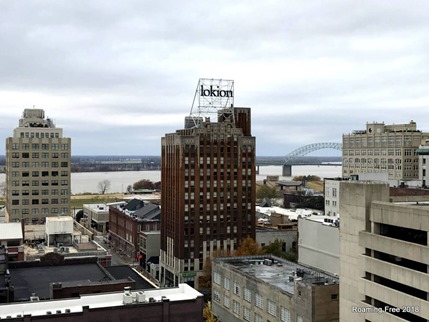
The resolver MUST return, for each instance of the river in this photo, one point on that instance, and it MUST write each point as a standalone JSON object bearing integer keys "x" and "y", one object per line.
{"x": 88, "y": 181}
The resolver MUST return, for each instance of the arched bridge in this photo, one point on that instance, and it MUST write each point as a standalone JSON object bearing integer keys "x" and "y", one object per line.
{"x": 306, "y": 149}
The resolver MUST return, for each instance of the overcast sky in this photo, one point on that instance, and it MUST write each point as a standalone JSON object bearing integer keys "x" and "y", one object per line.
{"x": 118, "y": 75}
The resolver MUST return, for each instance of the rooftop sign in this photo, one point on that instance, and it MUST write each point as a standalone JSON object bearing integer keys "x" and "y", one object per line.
{"x": 211, "y": 96}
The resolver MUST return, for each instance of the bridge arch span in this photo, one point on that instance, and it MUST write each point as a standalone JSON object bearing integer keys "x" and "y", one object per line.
{"x": 306, "y": 149}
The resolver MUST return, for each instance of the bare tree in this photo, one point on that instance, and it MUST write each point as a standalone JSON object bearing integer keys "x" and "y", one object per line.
{"x": 104, "y": 186}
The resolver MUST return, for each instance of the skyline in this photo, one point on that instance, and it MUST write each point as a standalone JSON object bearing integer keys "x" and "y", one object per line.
{"x": 125, "y": 74}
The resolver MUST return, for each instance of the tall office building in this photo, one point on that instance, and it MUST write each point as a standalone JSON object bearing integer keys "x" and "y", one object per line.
{"x": 208, "y": 192}
{"x": 383, "y": 148}
{"x": 37, "y": 169}
{"x": 384, "y": 255}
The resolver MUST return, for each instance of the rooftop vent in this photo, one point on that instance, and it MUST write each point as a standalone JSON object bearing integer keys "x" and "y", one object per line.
{"x": 140, "y": 297}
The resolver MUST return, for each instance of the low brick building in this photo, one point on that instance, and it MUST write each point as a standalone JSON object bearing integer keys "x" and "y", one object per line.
{"x": 126, "y": 221}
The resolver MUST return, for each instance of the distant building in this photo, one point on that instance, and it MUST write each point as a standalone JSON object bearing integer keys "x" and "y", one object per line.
{"x": 423, "y": 153}
{"x": 208, "y": 193}
{"x": 287, "y": 237}
{"x": 267, "y": 288}
{"x": 127, "y": 220}
{"x": 97, "y": 217}
{"x": 383, "y": 148}
{"x": 384, "y": 256}
{"x": 149, "y": 246}
{"x": 319, "y": 243}
{"x": 332, "y": 196}
{"x": 37, "y": 170}
{"x": 11, "y": 238}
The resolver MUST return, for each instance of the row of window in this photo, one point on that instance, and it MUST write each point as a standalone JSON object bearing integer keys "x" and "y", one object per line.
{"x": 45, "y": 192}
{"x": 35, "y": 183}
{"x": 391, "y": 141}
{"x": 40, "y": 135}
{"x": 39, "y": 173}
{"x": 43, "y": 146}
{"x": 36, "y": 211}
{"x": 44, "y": 164}
{"x": 246, "y": 313}
{"x": 53, "y": 201}
{"x": 37, "y": 155}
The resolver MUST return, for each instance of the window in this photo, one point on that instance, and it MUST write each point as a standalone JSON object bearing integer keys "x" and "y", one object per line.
{"x": 216, "y": 278}
{"x": 236, "y": 308}
{"x": 247, "y": 295}
{"x": 299, "y": 318}
{"x": 236, "y": 289}
{"x": 284, "y": 315}
{"x": 271, "y": 308}
{"x": 334, "y": 297}
{"x": 226, "y": 283}
{"x": 258, "y": 301}
{"x": 216, "y": 296}
{"x": 246, "y": 314}
{"x": 258, "y": 318}
{"x": 226, "y": 301}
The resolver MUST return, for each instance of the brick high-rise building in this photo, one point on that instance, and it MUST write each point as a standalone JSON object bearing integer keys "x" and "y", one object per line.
{"x": 37, "y": 169}
{"x": 208, "y": 193}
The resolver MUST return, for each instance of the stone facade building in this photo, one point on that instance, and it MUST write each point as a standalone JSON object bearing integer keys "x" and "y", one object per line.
{"x": 37, "y": 170}
{"x": 383, "y": 148}
{"x": 267, "y": 288}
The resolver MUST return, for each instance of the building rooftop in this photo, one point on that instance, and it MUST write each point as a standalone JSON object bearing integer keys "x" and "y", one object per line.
{"x": 28, "y": 280}
{"x": 40, "y": 308}
{"x": 140, "y": 211}
{"x": 37, "y": 279}
{"x": 278, "y": 272}
{"x": 293, "y": 214}
{"x": 12, "y": 230}
{"x": 125, "y": 271}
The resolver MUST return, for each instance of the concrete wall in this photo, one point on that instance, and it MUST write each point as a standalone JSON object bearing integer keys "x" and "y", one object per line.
{"x": 355, "y": 202}
{"x": 266, "y": 236}
{"x": 319, "y": 246}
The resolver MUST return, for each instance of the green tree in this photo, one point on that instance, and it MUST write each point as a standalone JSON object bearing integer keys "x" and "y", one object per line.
{"x": 306, "y": 178}
{"x": 276, "y": 248}
{"x": 143, "y": 184}
{"x": 266, "y": 191}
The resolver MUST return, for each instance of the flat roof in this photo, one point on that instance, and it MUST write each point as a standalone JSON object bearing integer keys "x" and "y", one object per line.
{"x": 125, "y": 271}
{"x": 10, "y": 230}
{"x": 28, "y": 280}
{"x": 279, "y": 272}
{"x": 40, "y": 308}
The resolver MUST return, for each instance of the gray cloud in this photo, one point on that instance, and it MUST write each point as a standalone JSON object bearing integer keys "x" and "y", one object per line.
{"x": 117, "y": 76}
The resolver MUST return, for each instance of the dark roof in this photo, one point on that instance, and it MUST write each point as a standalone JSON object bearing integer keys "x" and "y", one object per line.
{"x": 149, "y": 212}
{"x": 125, "y": 271}
{"x": 134, "y": 204}
{"x": 28, "y": 280}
